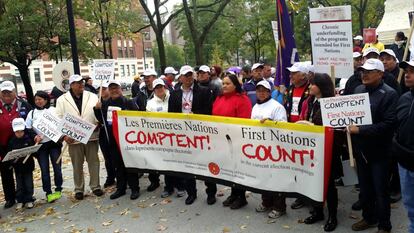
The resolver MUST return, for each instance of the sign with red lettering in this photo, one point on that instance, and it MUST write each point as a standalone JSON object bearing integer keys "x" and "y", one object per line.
{"x": 370, "y": 35}
{"x": 281, "y": 157}
{"x": 341, "y": 111}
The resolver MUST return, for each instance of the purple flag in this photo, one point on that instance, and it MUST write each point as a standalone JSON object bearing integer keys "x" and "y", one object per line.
{"x": 287, "y": 52}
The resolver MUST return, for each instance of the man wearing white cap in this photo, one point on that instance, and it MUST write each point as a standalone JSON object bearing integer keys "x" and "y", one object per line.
{"x": 371, "y": 147}
{"x": 80, "y": 103}
{"x": 358, "y": 43}
{"x": 103, "y": 112}
{"x": 203, "y": 79}
{"x": 390, "y": 61}
{"x": 404, "y": 142}
{"x": 170, "y": 74}
{"x": 355, "y": 80}
{"x": 149, "y": 76}
{"x": 250, "y": 86}
{"x": 191, "y": 98}
{"x": 11, "y": 107}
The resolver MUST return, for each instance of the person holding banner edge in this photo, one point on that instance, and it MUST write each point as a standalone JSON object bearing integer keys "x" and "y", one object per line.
{"x": 371, "y": 147}
{"x": 233, "y": 102}
{"x": 79, "y": 102}
{"x": 49, "y": 150}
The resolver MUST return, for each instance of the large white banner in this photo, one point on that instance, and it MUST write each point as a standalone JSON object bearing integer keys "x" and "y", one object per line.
{"x": 342, "y": 111}
{"x": 271, "y": 156}
{"x": 331, "y": 35}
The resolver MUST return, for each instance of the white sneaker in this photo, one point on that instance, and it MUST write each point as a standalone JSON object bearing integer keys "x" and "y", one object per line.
{"x": 30, "y": 205}
{"x": 19, "y": 206}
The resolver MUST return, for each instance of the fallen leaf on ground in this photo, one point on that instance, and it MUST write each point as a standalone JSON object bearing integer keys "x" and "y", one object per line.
{"x": 125, "y": 212}
{"x": 140, "y": 205}
{"x": 21, "y": 229}
{"x": 50, "y": 211}
{"x": 301, "y": 221}
{"x": 165, "y": 201}
{"x": 286, "y": 226}
{"x": 161, "y": 228}
{"x": 135, "y": 216}
{"x": 243, "y": 227}
{"x": 183, "y": 211}
{"x": 107, "y": 223}
{"x": 153, "y": 204}
{"x": 270, "y": 221}
{"x": 90, "y": 230}
{"x": 163, "y": 219}
{"x": 226, "y": 230}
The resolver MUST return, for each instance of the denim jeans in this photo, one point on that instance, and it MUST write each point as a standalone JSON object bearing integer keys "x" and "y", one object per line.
{"x": 52, "y": 151}
{"x": 24, "y": 190}
{"x": 374, "y": 195}
{"x": 407, "y": 190}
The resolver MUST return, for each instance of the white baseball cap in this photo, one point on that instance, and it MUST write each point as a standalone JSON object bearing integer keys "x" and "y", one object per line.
{"x": 372, "y": 64}
{"x": 264, "y": 84}
{"x": 389, "y": 52}
{"x": 113, "y": 81}
{"x": 149, "y": 72}
{"x": 75, "y": 78}
{"x": 358, "y": 37}
{"x": 105, "y": 84}
{"x": 157, "y": 82}
{"x": 18, "y": 124}
{"x": 309, "y": 66}
{"x": 7, "y": 86}
{"x": 356, "y": 54}
{"x": 257, "y": 65}
{"x": 405, "y": 64}
{"x": 204, "y": 68}
{"x": 370, "y": 50}
{"x": 299, "y": 67}
{"x": 170, "y": 70}
{"x": 186, "y": 69}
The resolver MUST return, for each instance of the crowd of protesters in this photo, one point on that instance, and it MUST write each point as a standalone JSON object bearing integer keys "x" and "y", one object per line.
{"x": 384, "y": 150}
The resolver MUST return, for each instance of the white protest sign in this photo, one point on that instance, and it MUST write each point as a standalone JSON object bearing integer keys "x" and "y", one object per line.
{"x": 48, "y": 125}
{"x": 76, "y": 128}
{"x": 342, "y": 111}
{"x": 281, "y": 157}
{"x": 275, "y": 33}
{"x": 21, "y": 153}
{"x": 331, "y": 35}
{"x": 103, "y": 70}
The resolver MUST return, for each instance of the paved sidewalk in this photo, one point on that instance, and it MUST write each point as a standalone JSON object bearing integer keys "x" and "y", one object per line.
{"x": 150, "y": 213}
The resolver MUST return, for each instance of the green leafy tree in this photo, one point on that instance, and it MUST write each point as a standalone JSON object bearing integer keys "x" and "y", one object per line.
{"x": 174, "y": 56}
{"x": 26, "y": 30}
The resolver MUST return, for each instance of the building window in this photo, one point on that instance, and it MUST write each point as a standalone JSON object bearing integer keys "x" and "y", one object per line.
{"x": 134, "y": 72}
{"x": 37, "y": 75}
{"x": 122, "y": 70}
{"x": 148, "y": 52}
{"x": 120, "y": 55}
{"x": 17, "y": 75}
{"x": 131, "y": 52}
{"x": 128, "y": 71}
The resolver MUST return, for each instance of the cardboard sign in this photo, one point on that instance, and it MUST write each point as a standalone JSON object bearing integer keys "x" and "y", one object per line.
{"x": 370, "y": 35}
{"x": 76, "y": 128}
{"x": 48, "y": 125}
{"x": 331, "y": 36}
{"x": 21, "y": 153}
{"x": 341, "y": 111}
{"x": 103, "y": 70}
{"x": 282, "y": 157}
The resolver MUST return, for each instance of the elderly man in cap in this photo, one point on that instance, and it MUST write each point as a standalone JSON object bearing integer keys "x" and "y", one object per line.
{"x": 404, "y": 142}
{"x": 358, "y": 44}
{"x": 149, "y": 76}
{"x": 103, "y": 112}
{"x": 250, "y": 86}
{"x": 11, "y": 107}
{"x": 203, "y": 79}
{"x": 371, "y": 146}
{"x": 390, "y": 61}
{"x": 80, "y": 103}
{"x": 170, "y": 74}
{"x": 192, "y": 98}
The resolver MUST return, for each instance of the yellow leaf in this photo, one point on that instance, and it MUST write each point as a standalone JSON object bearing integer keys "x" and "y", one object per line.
{"x": 226, "y": 230}
{"x": 21, "y": 229}
{"x": 286, "y": 226}
{"x": 107, "y": 223}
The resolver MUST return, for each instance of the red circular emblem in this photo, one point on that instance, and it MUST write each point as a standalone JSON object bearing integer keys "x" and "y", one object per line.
{"x": 214, "y": 168}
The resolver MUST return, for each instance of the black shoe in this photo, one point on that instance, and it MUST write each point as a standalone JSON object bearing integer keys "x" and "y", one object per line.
{"x": 98, "y": 192}
{"x": 134, "y": 194}
{"x": 190, "y": 199}
{"x": 211, "y": 199}
{"x": 117, "y": 194}
{"x": 79, "y": 196}
{"x": 153, "y": 187}
{"x": 331, "y": 224}
{"x": 9, "y": 204}
{"x": 238, "y": 203}
{"x": 395, "y": 197}
{"x": 229, "y": 201}
{"x": 297, "y": 204}
{"x": 357, "y": 206}
{"x": 315, "y": 217}
{"x": 109, "y": 183}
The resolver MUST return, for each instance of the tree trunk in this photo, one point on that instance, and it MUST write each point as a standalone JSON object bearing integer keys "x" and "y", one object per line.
{"x": 161, "y": 51}
{"x": 198, "y": 49}
{"x": 24, "y": 75}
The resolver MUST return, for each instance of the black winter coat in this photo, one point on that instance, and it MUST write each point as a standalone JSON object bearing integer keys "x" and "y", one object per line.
{"x": 355, "y": 80}
{"x": 201, "y": 104}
